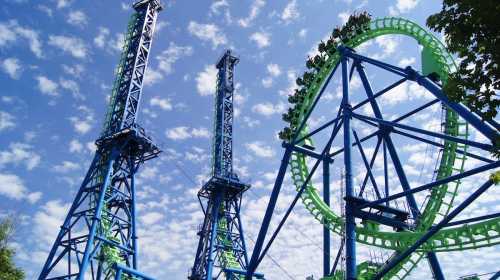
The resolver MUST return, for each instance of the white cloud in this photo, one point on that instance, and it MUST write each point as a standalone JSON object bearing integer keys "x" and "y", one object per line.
{"x": 6, "y": 121}
{"x": 343, "y": 16}
{"x": 65, "y": 167}
{"x": 10, "y": 31}
{"x": 274, "y": 69}
{"x": 267, "y": 109}
{"x": 207, "y": 32}
{"x": 267, "y": 82}
{"x": 47, "y": 86}
{"x": 83, "y": 124}
{"x": 169, "y": 56}
{"x": 72, "y": 87}
{"x": 254, "y": 12}
{"x": 260, "y": 149}
{"x": 262, "y": 39}
{"x": 63, "y": 3}
{"x": 403, "y": 6}
{"x": 184, "y": 132}
{"x": 12, "y": 67}
{"x": 290, "y": 12}
{"x": 206, "y": 80}
{"x": 49, "y": 220}
{"x": 13, "y": 187}
{"x": 100, "y": 39}
{"x": 74, "y": 46}
{"x": 221, "y": 6}
{"x": 407, "y": 61}
{"x": 388, "y": 44}
{"x": 303, "y": 33}
{"x": 151, "y": 218}
{"x": 152, "y": 76}
{"x": 75, "y": 70}
{"x": 163, "y": 103}
{"x": 45, "y": 9}
{"x": 19, "y": 153}
{"x": 75, "y": 146}
{"x": 77, "y": 18}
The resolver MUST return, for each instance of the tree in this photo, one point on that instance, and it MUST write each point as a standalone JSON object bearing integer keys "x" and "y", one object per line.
{"x": 472, "y": 31}
{"x": 7, "y": 268}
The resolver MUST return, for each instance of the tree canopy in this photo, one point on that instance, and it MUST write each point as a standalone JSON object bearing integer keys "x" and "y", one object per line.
{"x": 472, "y": 31}
{"x": 7, "y": 268}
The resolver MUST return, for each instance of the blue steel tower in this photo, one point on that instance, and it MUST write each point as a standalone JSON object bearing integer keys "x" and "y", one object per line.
{"x": 98, "y": 239}
{"x": 221, "y": 252}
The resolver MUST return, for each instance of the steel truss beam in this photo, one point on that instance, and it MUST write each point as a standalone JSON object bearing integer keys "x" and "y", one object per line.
{"x": 103, "y": 213}
{"x": 385, "y": 129}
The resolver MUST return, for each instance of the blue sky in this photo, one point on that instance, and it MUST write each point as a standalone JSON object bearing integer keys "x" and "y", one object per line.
{"x": 56, "y": 68}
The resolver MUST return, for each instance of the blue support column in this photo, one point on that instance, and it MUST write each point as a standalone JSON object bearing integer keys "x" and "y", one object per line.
{"x": 133, "y": 219}
{"x": 96, "y": 219}
{"x": 398, "y": 166}
{"x": 326, "y": 231}
{"x": 252, "y": 266}
{"x": 350, "y": 231}
{"x": 213, "y": 235}
{"x": 433, "y": 230}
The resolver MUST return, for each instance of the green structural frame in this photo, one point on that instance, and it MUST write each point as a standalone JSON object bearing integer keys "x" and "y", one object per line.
{"x": 468, "y": 236}
{"x": 433, "y": 231}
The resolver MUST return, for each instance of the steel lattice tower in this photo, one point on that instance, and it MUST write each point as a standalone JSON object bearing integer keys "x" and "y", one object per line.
{"x": 221, "y": 242}
{"x": 98, "y": 237}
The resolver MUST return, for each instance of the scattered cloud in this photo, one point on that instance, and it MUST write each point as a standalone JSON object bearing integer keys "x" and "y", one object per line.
{"x": 261, "y": 38}
{"x": 45, "y": 9}
{"x": 168, "y": 57}
{"x": 112, "y": 44}
{"x": 274, "y": 69}
{"x": 268, "y": 109}
{"x": 206, "y": 80}
{"x": 75, "y": 146}
{"x": 77, "y": 18}
{"x": 84, "y": 122}
{"x": 291, "y": 12}
{"x": 402, "y": 6}
{"x": 65, "y": 167}
{"x": 72, "y": 87}
{"x": 72, "y": 45}
{"x": 6, "y": 121}
{"x": 12, "y": 67}
{"x": 47, "y": 86}
{"x": 254, "y": 12}
{"x": 260, "y": 149}
{"x": 63, "y": 3}
{"x": 344, "y": 16}
{"x": 164, "y": 103}
{"x": 10, "y": 32}
{"x": 13, "y": 187}
{"x": 407, "y": 61}
{"x": 208, "y": 33}
{"x": 152, "y": 76}
{"x": 184, "y": 132}
{"x": 221, "y": 6}
{"x": 19, "y": 154}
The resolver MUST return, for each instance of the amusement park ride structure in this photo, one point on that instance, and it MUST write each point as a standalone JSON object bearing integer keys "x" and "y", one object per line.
{"x": 221, "y": 241}
{"x": 98, "y": 239}
{"x": 410, "y": 233}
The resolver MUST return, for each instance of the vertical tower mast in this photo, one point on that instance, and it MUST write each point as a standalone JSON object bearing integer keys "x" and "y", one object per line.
{"x": 221, "y": 244}
{"x": 98, "y": 237}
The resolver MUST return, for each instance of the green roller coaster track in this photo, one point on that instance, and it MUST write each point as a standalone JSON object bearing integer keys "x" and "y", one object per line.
{"x": 440, "y": 201}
